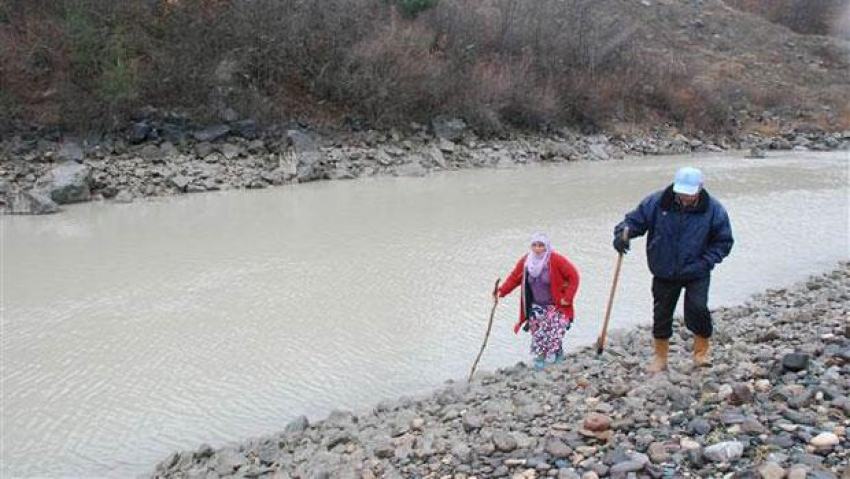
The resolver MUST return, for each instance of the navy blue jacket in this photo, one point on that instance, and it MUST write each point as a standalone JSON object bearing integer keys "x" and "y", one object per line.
{"x": 681, "y": 243}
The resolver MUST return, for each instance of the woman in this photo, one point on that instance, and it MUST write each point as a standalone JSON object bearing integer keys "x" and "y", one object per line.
{"x": 549, "y": 284}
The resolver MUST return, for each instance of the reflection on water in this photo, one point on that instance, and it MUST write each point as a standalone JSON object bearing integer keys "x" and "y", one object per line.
{"x": 130, "y": 331}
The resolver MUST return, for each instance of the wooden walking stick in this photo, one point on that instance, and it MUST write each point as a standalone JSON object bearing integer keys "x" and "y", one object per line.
{"x": 600, "y": 343}
{"x": 489, "y": 327}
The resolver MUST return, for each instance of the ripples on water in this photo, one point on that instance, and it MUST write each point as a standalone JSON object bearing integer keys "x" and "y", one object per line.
{"x": 130, "y": 331}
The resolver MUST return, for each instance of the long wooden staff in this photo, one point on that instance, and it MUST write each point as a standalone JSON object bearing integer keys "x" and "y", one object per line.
{"x": 489, "y": 327}
{"x": 600, "y": 343}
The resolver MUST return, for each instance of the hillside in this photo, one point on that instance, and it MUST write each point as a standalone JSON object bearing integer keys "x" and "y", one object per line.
{"x": 499, "y": 64}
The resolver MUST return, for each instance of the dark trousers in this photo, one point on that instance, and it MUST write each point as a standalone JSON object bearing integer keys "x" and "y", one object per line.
{"x": 665, "y": 295}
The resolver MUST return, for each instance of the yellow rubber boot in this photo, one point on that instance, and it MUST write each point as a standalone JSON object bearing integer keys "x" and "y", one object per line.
{"x": 662, "y": 347}
{"x": 701, "y": 357}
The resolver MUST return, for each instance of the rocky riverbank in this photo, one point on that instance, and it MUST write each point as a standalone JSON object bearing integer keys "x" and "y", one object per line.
{"x": 164, "y": 157}
{"x": 775, "y": 404}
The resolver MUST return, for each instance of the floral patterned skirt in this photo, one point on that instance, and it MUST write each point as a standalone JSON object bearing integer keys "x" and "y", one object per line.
{"x": 548, "y": 326}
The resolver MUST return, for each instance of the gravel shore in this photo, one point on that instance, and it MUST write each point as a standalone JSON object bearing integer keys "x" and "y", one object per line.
{"x": 775, "y": 404}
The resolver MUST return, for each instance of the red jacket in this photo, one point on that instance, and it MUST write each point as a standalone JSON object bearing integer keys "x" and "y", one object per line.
{"x": 563, "y": 277}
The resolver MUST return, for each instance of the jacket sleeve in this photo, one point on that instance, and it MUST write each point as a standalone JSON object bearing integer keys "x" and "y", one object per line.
{"x": 513, "y": 280}
{"x": 720, "y": 238}
{"x": 639, "y": 220}
{"x": 571, "y": 279}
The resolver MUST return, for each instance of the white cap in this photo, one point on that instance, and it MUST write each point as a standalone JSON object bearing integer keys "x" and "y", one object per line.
{"x": 688, "y": 181}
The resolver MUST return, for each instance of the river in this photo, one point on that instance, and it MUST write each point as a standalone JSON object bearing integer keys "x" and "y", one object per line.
{"x": 130, "y": 331}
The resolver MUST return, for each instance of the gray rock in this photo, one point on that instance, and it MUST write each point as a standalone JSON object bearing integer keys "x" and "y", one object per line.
{"x": 451, "y": 129}
{"x": 724, "y": 451}
{"x": 783, "y": 441}
{"x": 204, "y": 451}
{"x": 756, "y": 152}
{"x": 695, "y": 457}
{"x": 70, "y": 151}
{"x": 123, "y": 196}
{"x": 384, "y": 451}
{"x": 808, "y": 459}
{"x": 570, "y": 473}
{"x": 275, "y": 177}
{"x": 306, "y": 153}
{"x": 151, "y": 152}
{"x": 752, "y": 426}
{"x": 167, "y": 150}
{"x": 616, "y": 456}
{"x": 412, "y": 169}
{"x": 558, "y": 449}
{"x": 462, "y": 452}
{"x": 436, "y": 156}
{"x": 227, "y": 461}
{"x": 741, "y": 394}
{"x": 626, "y": 466}
{"x": 212, "y": 133}
{"x": 730, "y": 418}
{"x": 269, "y": 453}
{"x": 599, "y": 152}
{"x": 447, "y": 146}
{"x": 504, "y": 441}
{"x": 256, "y": 147}
{"x": 799, "y": 417}
{"x": 180, "y": 182}
{"x": 174, "y": 134}
{"x": 30, "y": 203}
{"x": 658, "y": 452}
{"x": 230, "y": 151}
{"x": 798, "y": 471}
{"x": 246, "y": 129}
{"x": 558, "y": 151}
{"x": 472, "y": 422}
{"x": 139, "y": 132}
{"x": 297, "y": 425}
{"x": 67, "y": 183}
{"x": 771, "y": 470}
{"x": 821, "y": 474}
{"x": 341, "y": 173}
{"x": 204, "y": 149}
{"x": 795, "y": 362}
{"x": 699, "y": 427}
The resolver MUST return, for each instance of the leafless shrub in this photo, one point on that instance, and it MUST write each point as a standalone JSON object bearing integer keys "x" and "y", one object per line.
{"x": 496, "y": 63}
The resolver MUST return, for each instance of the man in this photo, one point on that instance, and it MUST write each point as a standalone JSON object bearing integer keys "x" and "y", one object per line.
{"x": 688, "y": 233}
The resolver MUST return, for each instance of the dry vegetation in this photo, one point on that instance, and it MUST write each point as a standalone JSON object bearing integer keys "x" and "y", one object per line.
{"x": 497, "y": 63}
{"x": 820, "y": 17}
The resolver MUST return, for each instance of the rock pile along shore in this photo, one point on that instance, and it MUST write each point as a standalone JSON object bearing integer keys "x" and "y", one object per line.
{"x": 159, "y": 159}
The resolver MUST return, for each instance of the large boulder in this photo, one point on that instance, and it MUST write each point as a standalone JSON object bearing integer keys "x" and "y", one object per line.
{"x": 70, "y": 151}
{"x": 306, "y": 153}
{"x": 599, "y": 152}
{"x": 174, "y": 133}
{"x": 139, "y": 132}
{"x": 212, "y": 133}
{"x": 247, "y": 129}
{"x": 557, "y": 151}
{"x": 412, "y": 168}
{"x": 450, "y": 129}
{"x": 30, "y": 203}
{"x": 67, "y": 183}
